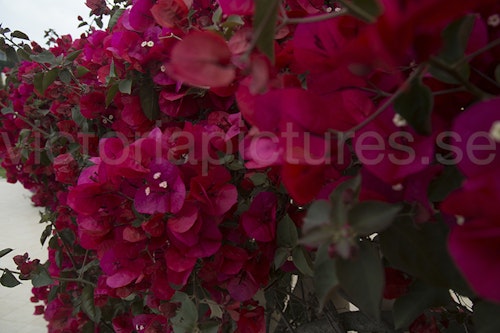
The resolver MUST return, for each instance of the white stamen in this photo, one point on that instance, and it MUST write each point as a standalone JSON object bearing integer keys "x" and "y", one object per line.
{"x": 147, "y": 191}
{"x": 144, "y": 44}
{"x": 111, "y": 117}
{"x": 495, "y": 131}
{"x": 139, "y": 327}
{"x": 151, "y": 43}
{"x": 163, "y": 68}
{"x": 157, "y": 175}
{"x": 493, "y": 20}
{"x": 399, "y": 121}
{"x": 338, "y": 9}
{"x": 329, "y": 9}
{"x": 397, "y": 187}
{"x": 163, "y": 184}
{"x": 460, "y": 219}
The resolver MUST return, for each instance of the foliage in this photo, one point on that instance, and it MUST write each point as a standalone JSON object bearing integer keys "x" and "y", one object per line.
{"x": 253, "y": 166}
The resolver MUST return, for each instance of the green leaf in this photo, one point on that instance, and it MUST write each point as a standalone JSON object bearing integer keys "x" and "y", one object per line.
{"x": 12, "y": 55}
{"x": 65, "y": 76}
{"x": 209, "y": 327}
{"x": 45, "y": 234}
{"x": 302, "y": 261}
{"x": 112, "y": 91}
{"x": 369, "y": 217}
{"x": 415, "y": 106}
{"x": 8, "y": 279}
{"x": 73, "y": 55}
{"x": 4, "y": 252}
{"x": 287, "y": 235}
{"x": 450, "y": 179}
{"x": 362, "y": 278}
{"x": 125, "y": 86}
{"x": 486, "y": 317}
{"x": 371, "y": 8}
{"x": 455, "y": 39}
{"x": 325, "y": 276}
{"x": 7, "y": 110}
{"x": 420, "y": 297}
{"x": 48, "y": 78}
{"x": 149, "y": 99}
{"x": 318, "y": 215}
{"x": 280, "y": 256}
{"x": 421, "y": 252}
{"x": 38, "y": 82}
{"x": 258, "y": 178}
{"x": 44, "y": 57}
{"x": 114, "y": 18}
{"x": 41, "y": 278}
{"x": 81, "y": 71}
{"x": 88, "y": 305}
{"x": 215, "y": 309}
{"x": 343, "y": 198}
{"x": 264, "y": 23}
{"x": 19, "y": 34}
{"x": 186, "y": 318}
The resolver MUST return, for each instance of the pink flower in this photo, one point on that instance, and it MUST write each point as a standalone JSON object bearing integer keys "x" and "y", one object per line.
{"x": 122, "y": 264}
{"x": 259, "y": 221}
{"x": 163, "y": 192}
{"x": 240, "y": 7}
{"x": 202, "y": 59}
{"x": 170, "y": 13}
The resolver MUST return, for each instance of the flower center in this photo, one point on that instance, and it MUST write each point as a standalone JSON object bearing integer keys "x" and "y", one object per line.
{"x": 157, "y": 175}
{"x": 493, "y": 20}
{"x": 147, "y": 191}
{"x": 399, "y": 121}
{"x": 163, "y": 184}
{"x": 495, "y": 131}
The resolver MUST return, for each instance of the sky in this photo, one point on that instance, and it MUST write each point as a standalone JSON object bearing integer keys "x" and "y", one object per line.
{"x": 33, "y": 17}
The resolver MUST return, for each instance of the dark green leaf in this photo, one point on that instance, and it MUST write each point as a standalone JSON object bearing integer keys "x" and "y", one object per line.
{"x": 38, "y": 82}
{"x": 19, "y": 34}
{"x": 65, "y": 76}
{"x": 302, "y": 261}
{"x": 415, "y": 106}
{"x": 45, "y": 234}
{"x": 125, "y": 86}
{"x": 463, "y": 70}
{"x": 317, "y": 215}
{"x": 343, "y": 198}
{"x": 41, "y": 278}
{"x": 325, "y": 275}
{"x": 186, "y": 318}
{"x": 7, "y": 110}
{"x": 486, "y": 317}
{"x": 450, "y": 179}
{"x": 209, "y": 327}
{"x": 318, "y": 236}
{"x": 48, "y": 78}
{"x": 455, "y": 39}
{"x": 258, "y": 178}
{"x": 73, "y": 55}
{"x": 149, "y": 99}
{"x": 369, "y": 217}
{"x": 88, "y": 305}
{"x": 362, "y": 278}
{"x": 12, "y": 55}
{"x": 4, "y": 252}
{"x": 420, "y": 297}
{"x": 8, "y": 279}
{"x": 280, "y": 256}
{"x": 112, "y": 91}
{"x": 372, "y": 8}
{"x": 421, "y": 252}
{"x": 264, "y": 23}
{"x": 497, "y": 73}
{"x": 23, "y": 54}
{"x": 287, "y": 235}
{"x": 44, "y": 57}
{"x": 99, "y": 23}
{"x": 81, "y": 71}
{"x": 114, "y": 18}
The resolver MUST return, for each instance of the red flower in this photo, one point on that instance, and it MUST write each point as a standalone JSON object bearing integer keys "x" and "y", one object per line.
{"x": 202, "y": 59}
{"x": 169, "y": 13}
{"x": 259, "y": 221}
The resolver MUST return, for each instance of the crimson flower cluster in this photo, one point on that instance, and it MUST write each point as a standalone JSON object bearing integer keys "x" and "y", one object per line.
{"x": 196, "y": 157}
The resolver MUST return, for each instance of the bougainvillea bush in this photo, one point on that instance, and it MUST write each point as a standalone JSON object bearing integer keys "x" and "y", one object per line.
{"x": 252, "y": 166}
